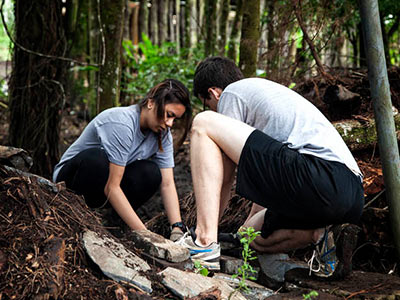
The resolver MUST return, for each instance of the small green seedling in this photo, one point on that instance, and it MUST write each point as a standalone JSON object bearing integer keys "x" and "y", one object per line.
{"x": 310, "y": 295}
{"x": 200, "y": 269}
{"x": 246, "y": 271}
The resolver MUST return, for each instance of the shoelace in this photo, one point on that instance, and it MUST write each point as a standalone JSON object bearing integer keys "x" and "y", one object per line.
{"x": 315, "y": 256}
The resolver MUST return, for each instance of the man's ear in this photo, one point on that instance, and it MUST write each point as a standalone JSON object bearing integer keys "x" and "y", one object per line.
{"x": 215, "y": 92}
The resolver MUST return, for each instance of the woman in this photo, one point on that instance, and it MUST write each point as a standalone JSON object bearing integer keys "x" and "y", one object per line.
{"x": 126, "y": 153}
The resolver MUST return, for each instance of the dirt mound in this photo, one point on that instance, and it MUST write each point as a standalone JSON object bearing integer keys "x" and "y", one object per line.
{"x": 40, "y": 251}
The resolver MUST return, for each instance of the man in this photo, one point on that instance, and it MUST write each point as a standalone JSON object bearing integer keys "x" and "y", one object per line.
{"x": 292, "y": 163}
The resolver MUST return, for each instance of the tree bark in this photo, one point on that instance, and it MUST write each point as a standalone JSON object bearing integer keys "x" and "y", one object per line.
{"x": 178, "y": 25}
{"x": 37, "y": 82}
{"x": 154, "y": 22}
{"x": 143, "y": 18}
{"x": 223, "y": 25}
{"x": 250, "y": 38}
{"x": 112, "y": 16}
{"x": 236, "y": 29}
{"x": 210, "y": 12}
{"x": 163, "y": 21}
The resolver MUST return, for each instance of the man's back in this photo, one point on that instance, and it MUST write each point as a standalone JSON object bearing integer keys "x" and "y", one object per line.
{"x": 285, "y": 116}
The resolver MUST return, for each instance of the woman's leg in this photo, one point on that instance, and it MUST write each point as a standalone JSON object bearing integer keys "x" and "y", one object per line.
{"x": 87, "y": 174}
{"x": 141, "y": 180}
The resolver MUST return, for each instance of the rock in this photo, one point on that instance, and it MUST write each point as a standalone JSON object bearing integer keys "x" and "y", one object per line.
{"x": 115, "y": 261}
{"x": 256, "y": 291}
{"x": 158, "y": 246}
{"x": 230, "y": 265}
{"x": 274, "y": 267}
{"x": 16, "y": 158}
{"x": 188, "y": 284}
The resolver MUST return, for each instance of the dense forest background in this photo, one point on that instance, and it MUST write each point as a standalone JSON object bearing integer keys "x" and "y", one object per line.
{"x": 80, "y": 57}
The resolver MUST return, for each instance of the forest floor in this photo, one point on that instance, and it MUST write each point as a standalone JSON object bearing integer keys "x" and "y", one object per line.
{"x": 375, "y": 251}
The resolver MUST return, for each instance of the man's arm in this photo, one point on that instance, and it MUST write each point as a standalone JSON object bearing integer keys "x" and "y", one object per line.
{"x": 118, "y": 199}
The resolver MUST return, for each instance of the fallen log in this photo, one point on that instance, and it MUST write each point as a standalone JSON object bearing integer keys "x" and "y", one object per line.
{"x": 360, "y": 135}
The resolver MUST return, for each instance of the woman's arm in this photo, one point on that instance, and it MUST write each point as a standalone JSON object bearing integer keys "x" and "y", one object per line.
{"x": 170, "y": 196}
{"x": 118, "y": 199}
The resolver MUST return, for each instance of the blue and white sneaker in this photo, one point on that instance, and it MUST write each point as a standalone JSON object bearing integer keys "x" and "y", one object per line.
{"x": 208, "y": 256}
{"x": 323, "y": 262}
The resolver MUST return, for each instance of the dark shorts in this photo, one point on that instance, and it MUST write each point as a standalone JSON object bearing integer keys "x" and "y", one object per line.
{"x": 300, "y": 191}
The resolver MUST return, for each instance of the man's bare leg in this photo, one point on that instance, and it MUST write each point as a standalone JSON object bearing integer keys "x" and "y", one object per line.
{"x": 212, "y": 135}
{"x": 282, "y": 240}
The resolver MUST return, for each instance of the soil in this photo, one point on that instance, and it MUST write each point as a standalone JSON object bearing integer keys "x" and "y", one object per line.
{"x": 32, "y": 217}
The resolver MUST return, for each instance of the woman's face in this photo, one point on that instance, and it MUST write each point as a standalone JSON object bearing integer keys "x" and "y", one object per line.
{"x": 171, "y": 112}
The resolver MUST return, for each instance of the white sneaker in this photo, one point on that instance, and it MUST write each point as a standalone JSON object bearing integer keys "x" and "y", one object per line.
{"x": 207, "y": 256}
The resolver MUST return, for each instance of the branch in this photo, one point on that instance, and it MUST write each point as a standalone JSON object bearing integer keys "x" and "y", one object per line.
{"x": 37, "y": 53}
{"x": 320, "y": 67}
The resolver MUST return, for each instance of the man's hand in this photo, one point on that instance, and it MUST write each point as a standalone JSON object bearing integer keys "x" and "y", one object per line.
{"x": 176, "y": 234}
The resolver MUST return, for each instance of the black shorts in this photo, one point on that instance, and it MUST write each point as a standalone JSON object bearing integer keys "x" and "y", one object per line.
{"x": 301, "y": 191}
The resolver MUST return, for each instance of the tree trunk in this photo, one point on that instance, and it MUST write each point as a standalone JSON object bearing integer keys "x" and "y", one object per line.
{"x": 143, "y": 18}
{"x": 112, "y": 16}
{"x": 223, "y": 25}
{"x": 210, "y": 12}
{"x": 200, "y": 19}
{"x": 250, "y": 38}
{"x": 178, "y": 25}
{"x": 188, "y": 6}
{"x": 171, "y": 18}
{"x": 272, "y": 57}
{"x": 236, "y": 29}
{"x": 36, "y": 84}
{"x": 163, "y": 21}
{"x": 154, "y": 22}
{"x": 94, "y": 56}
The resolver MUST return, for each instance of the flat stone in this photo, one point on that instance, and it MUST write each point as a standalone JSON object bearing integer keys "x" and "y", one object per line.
{"x": 274, "y": 266}
{"x": 256, "y": 291}
{"x": 230, "y": 265}
{"x": 188, "y": 284}
{"x": 158, "y": 246}
{"x": 15, "y": 157}
{"x": 115, "y": 261}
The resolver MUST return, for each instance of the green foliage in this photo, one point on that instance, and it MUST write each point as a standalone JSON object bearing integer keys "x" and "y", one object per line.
{"x": 246, "y": 271}
{"x": 156, "y": 63}
{"x": 310, "y": 295}
{"x": 200, "y": 269}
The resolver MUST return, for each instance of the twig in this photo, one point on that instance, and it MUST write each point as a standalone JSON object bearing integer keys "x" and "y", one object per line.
{"x": 376, "y": 197}
{"x": 380, "y": 285}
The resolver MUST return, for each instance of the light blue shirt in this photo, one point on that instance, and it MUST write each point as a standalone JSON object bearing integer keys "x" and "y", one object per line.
{"x": 117, "y": 131}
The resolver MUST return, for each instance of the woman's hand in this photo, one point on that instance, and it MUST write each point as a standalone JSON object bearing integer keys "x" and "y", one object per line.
{"x": 176, "y": 234}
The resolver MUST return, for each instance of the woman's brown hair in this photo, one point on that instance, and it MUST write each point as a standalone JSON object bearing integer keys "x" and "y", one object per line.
{"x": 169, "y": 91}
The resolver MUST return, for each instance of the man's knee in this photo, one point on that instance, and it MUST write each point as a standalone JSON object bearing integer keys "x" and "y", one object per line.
{"x": 201, "y": 121}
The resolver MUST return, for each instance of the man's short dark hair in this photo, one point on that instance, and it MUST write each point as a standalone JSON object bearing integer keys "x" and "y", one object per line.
{"x": 215, "y": 71}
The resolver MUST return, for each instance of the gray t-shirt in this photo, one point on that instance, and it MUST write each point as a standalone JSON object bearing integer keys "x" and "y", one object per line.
{"x": 117, "y": 131}
{"x": 287, "y": 117}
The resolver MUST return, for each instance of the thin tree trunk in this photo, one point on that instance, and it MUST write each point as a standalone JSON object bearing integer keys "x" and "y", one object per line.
{"x": 112, "y": 13}
{"x": 154, "y": 22}
{"x": 163, "y": 21}
{"x": 95, "y": 47}
{"x": 178, "y": 25}
{"x": 36, "y": 90}
{"x": 171, "y": 19}
{"x": 223, "y": 25}
{"x": 210, "y": 12}
{"x": 250, "y": 38}
{"x": 236, "y": 29}
{"x": 143, "y": 18}
{"x": 200, "y": 19}
{"x": 272, "y": 57}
